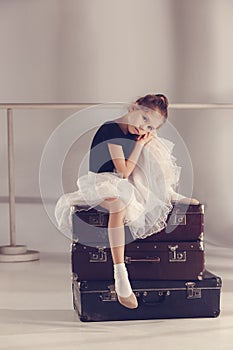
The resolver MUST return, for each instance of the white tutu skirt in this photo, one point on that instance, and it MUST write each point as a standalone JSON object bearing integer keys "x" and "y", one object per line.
{"x": 147, "y": 193}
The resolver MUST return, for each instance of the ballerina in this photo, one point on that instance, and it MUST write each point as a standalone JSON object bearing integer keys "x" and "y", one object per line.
{"x": 133, "y": 175}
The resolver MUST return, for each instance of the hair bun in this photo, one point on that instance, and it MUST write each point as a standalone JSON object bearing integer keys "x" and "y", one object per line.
{"x": 163, "y": 99}
{"x": 155, "y": 102}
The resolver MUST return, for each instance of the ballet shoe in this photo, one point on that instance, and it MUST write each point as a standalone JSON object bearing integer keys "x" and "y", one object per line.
{"x": 129, "y": 302}
{"x": 179, "y": 198}
{"x": 185, "y": 200}
{"x": 191, "y": 201}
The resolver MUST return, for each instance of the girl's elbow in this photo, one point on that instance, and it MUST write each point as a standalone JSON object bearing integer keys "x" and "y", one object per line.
{"x": 126, "y": 174}
{"x": 124, "y": 171}
{"x": 123, "y": 174}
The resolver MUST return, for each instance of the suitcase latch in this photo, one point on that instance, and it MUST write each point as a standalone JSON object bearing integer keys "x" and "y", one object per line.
{"x": 176, "y": 256}
{"x": 109, "y": 296}
{"x": 178, "y": 219}
{"x": 192, "y": 292}
{"x": 98, "y": 257}
{"x": 96, "y": 219}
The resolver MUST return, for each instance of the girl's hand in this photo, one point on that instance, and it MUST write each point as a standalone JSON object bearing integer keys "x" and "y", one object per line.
{"x": 143, "y": 139}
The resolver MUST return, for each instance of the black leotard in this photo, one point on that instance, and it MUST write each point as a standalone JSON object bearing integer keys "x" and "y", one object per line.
{"x": 109, "y": 132}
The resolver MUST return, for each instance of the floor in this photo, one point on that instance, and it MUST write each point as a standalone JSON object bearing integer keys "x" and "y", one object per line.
{"x": 37, "y": 312}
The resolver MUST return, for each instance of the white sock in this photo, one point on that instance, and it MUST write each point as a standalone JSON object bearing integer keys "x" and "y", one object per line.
{"x": 122, "y": 284}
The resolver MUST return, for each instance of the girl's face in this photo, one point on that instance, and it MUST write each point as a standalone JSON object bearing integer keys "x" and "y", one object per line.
{"x": 143, "y": 120}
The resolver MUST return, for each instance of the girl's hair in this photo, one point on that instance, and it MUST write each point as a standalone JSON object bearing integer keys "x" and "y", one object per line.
{"x": 156, "y": 102}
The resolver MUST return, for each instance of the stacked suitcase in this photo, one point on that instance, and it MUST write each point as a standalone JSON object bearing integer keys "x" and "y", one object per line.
{"x": 166, "y": 270}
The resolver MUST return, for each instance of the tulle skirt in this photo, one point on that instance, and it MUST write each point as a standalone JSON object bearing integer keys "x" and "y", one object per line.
{"x": 147, "y": 193}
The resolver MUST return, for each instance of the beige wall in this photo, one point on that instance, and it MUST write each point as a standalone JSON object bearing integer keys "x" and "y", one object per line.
{"x": 105, "y": 50}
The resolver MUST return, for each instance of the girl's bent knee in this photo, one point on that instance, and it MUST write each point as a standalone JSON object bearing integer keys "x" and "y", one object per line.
{"x": 114, "y": 205}
{"x": 120, "y": 214}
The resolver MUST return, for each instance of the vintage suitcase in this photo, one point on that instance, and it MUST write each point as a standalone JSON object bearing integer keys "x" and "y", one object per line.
{"x": 144, "y": 260}
{"x": 97, "y": 300}
{"x": 184, "y": 223}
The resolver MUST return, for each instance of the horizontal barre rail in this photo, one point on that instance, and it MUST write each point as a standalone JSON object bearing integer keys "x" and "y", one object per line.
{"x": 86, "y": 105}
{"x": 201, "y": 105}
{"x": 45, "y": 105}
{"x": 27, "y": 200}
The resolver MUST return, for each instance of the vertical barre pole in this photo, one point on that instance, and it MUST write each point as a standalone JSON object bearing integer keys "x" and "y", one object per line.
{"x": 11, "y": 176}
{"x": 13, "y": 252}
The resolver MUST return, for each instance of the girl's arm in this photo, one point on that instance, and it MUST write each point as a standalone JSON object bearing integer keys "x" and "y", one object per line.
{"x": 123, "y": 166}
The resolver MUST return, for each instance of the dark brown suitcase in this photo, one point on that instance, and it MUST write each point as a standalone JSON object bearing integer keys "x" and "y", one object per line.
{"x": 97, "y": 300}
{"x": 184, "y": 223}
{"x": 144, "y": 260}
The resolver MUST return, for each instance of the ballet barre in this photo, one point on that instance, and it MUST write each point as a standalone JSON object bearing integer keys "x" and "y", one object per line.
{"x": 86, "y": 105}
{"x": 18, "y": 253}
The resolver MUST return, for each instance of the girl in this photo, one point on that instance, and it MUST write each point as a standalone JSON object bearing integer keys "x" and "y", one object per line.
{"x": 133, "y": 175}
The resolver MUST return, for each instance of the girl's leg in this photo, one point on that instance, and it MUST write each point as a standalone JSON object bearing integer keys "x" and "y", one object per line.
{"x": 116, "y": 231}
{"x": 116, "y": 234}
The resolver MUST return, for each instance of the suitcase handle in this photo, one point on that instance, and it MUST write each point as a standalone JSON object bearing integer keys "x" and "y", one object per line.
{"x": 161, "y": 298}
{"x": 155, "y": 259}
